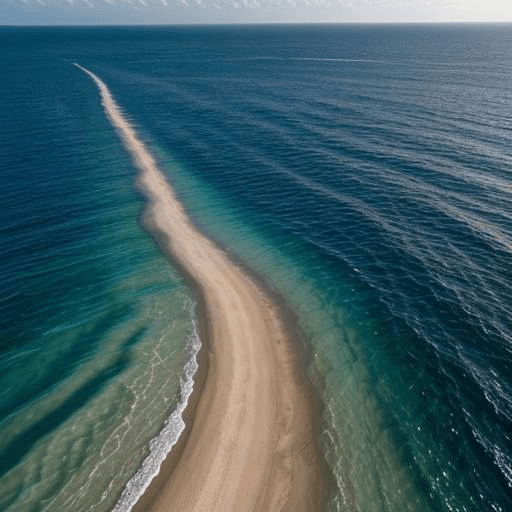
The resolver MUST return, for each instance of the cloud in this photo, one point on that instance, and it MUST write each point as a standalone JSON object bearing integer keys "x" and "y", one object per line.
{"x": 245, "y": 4}
{"x": 419, "y": 10}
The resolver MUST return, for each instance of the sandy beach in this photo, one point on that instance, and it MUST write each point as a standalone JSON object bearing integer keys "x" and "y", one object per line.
{"x": 250, "y": 443}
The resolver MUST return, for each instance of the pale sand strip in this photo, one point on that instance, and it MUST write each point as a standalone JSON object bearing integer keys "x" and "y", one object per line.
{"x": 251, "y": 446}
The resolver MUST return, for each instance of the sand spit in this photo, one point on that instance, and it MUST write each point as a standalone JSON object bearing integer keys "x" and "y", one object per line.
{"x": 250, "y": 443}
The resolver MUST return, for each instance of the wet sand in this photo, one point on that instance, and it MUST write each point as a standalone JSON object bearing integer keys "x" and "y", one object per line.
{"x": 250, "y": 443}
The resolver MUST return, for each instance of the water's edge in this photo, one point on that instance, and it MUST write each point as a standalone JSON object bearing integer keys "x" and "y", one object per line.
{"x": 175, "y": 427}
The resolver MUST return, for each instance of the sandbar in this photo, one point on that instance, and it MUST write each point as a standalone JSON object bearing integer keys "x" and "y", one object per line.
{"x": 251, "y": 442}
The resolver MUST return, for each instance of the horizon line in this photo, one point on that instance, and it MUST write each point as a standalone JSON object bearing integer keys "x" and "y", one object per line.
{"x": 258, "y": 23}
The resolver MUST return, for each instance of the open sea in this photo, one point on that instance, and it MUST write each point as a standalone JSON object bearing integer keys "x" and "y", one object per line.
{"x": 364, "y": 172}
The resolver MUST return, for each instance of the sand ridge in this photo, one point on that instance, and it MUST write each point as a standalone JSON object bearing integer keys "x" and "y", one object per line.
{"x": 251, "y": 445}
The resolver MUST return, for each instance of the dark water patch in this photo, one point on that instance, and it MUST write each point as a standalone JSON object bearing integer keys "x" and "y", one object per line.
{"x": 63, "y": 364}
{"x": 21, "y": 445}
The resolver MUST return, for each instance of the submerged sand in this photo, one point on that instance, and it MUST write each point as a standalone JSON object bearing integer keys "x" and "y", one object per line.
{"x": 250, "y": 445}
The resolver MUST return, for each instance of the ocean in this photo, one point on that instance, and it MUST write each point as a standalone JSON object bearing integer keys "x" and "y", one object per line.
{"x": 362, "y": 171}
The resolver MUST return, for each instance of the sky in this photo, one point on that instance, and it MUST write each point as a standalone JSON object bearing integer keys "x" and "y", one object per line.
{"x": 128, "y": 12}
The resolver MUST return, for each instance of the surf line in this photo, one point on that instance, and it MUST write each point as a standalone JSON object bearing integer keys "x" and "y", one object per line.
{"x": 251, "y": 445}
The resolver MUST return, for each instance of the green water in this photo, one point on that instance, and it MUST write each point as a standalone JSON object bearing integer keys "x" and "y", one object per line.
{"x": 348, "y": 344}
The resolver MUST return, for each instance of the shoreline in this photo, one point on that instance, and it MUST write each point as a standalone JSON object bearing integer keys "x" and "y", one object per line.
{"x": 298, "y": 347}
{"x": 250, "y": 440}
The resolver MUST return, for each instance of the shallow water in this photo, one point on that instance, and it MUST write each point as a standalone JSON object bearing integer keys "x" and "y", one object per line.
{"x": 94, "y": 321}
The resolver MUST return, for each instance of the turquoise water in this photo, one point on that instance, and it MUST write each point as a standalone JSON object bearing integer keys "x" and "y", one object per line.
{"x": 95, "y": 322}
{"x": 363, "y": 172}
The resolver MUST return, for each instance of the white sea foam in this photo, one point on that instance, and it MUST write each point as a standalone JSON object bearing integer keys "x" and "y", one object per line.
{"x": 325, "y": 59}
{"x": 161, "y": 445}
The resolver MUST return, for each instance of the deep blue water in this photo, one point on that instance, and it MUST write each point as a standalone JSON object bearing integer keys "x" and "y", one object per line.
{"x": 370, "y": 167}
